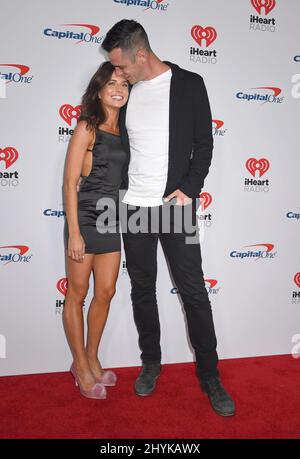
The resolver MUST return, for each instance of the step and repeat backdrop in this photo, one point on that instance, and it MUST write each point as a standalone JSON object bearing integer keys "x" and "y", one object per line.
{"x": 249, "y": 56}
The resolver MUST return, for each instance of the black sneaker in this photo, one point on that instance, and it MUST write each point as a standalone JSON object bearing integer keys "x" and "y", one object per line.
{"x": 220, "y": 400}
{"x": 146, "y": 381}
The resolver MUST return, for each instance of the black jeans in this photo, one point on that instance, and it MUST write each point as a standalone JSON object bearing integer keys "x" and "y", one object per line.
{"x": 185, "y": 264}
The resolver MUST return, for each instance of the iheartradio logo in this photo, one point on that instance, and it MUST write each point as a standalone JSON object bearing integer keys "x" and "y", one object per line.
{"x": 62, "y": 285}
{"x": 297, "y": 279}
{"x": 205, "y": 200}
{"x": 259, "y": 166}
{"x": 263, "y": 5}
{"x": 205, "y": 35}
{"x": 296, "y": 294}
{"x": 259, "y": 23}
{"x": 68, "y": 113}
{"x": 9, "y": 156}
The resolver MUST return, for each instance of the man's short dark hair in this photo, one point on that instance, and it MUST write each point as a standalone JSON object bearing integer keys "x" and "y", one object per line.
{"x": 128, "y": 35}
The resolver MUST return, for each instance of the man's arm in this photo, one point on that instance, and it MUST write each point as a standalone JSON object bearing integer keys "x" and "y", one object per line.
{"x": 203, "y": 141}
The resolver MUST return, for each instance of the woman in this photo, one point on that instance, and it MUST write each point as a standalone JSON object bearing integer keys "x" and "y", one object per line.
{"x": 95, "y": 158}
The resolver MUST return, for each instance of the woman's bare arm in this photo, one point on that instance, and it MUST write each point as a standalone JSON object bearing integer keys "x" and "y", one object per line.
{"x": 79, "y": 143}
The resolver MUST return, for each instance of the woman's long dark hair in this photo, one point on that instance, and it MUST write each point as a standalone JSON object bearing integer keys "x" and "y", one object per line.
{"x": 91, "y": 107}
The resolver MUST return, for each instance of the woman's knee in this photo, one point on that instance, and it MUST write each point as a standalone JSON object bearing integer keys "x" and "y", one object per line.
{"x": 105, "y": 294}
{"x": 77, "y": 291}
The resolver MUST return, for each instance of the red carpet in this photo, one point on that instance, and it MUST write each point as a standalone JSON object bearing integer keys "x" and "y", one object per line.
{"x": 265, "y": 389}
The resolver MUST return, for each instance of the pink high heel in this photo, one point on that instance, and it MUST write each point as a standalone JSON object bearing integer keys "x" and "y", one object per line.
{"x": 98, "y": 391}
{"x": 109, "y": 378}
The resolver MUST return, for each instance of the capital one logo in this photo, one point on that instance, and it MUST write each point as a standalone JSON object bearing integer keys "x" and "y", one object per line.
{"x": 263, "y": 251}
{"x": 62, "y": 285}
{"x": 217, "y": 123}
{"x": 82, "y": 36}
{"x": 263, "y": 5}
{"x": 206, "y": 35}
{"x": 257, "y": 166}
{"x": 8, "y": 155}
{"x": 263, "y": 94}
{"x": 16, "y": 77}
{"x": 14, "y": 254}
{"x": 216, "y": 128}
{"x": 68, "y": 112}
{"x": 155, "y": 5}
{"x": 211, "y": 286}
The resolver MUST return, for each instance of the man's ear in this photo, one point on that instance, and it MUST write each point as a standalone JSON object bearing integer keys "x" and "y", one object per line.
{"x": 141, "y": 54}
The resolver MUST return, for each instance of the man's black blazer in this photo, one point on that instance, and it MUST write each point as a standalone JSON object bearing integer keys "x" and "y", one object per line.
{"x": 190, "y": 140}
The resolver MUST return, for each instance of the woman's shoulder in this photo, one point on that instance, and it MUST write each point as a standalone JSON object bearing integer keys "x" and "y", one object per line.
{"x": 84, "y": 130}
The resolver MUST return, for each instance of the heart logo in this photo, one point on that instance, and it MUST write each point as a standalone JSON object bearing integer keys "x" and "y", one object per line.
{"x": 218, "y": 123}
{"x": 260, "y": 165}
{"x": 211, "y": 282}
{"x": 297, "y": 279}
{"x": 205, "y": 200}
{"x": 68, "y": 112}
{"x": 9, "y": 155}
{"x": 62, "y": 285}
{"x": 268, "y": 5}
{"x": 207, "y": 34}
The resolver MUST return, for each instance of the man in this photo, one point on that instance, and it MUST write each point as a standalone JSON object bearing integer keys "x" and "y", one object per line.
{"x": 167, "y": 131}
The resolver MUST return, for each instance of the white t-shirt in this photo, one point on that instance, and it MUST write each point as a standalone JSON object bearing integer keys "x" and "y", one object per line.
{"x": 147, "y": 123}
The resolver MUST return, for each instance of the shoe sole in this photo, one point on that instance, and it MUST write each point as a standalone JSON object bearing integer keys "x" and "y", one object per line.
{"x": 220, "y": 413}
{"x": 225, "y": 415}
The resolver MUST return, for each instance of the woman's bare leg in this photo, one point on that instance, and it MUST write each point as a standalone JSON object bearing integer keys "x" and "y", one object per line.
{"x": 78, "y": 273}
{"x": 105, "y": 269}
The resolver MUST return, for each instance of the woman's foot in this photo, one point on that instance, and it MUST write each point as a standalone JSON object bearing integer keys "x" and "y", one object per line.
{"x": 84, "y": 377}
{"x": 95, "y": 367}
{"x": 87, "y": 385}
{"x": 107, "y": 378}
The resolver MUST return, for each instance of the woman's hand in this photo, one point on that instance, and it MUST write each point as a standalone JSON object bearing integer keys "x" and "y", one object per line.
{"x": 78, "y": 184}
{"x": 76, "y": 247}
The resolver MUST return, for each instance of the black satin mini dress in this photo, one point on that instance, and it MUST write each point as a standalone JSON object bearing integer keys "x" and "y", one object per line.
{"x": 98, "y": 196}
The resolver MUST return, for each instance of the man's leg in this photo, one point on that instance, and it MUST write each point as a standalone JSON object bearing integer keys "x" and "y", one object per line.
{"x": 141, "y": 259}
{"x": 185, "y": 264}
